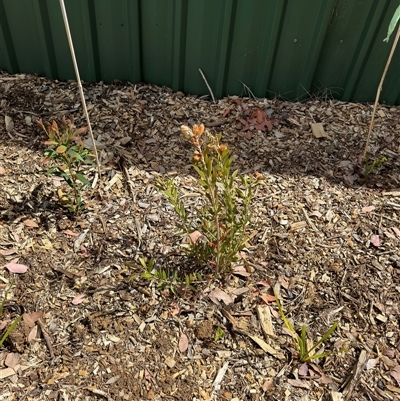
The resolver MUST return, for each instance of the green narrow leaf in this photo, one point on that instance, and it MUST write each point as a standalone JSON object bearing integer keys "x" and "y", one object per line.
{"x": 393, "y": 23}
{"x": 283, "y": 317}
{"x": 302, "y": 339}
{"x": 10, "y": 329}
{"x": 82, "y": 179}
{"x": 325, "y": 336}
{"x": 75, "y": 155}
{"x": 143, "y": 262}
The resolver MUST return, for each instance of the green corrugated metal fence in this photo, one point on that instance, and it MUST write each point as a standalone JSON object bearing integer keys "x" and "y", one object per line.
{"x": 286, "y": 48}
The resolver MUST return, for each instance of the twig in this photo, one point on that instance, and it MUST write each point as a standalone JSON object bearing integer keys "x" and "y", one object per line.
{"x": 208, "y": 86}
{"x": 247, "y": 89}
{"x": 78, "y": 78}
{"x": 309, "y": 221}
{"x": 355, "y": 376}
{"x": 46, "y": 338}
{"x": 378, "y": 92}
{"x": 128, "y": 178}
{"x": 393, "y": 204}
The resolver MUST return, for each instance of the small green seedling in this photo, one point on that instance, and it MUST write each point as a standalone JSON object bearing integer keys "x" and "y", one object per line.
{"x": 66, "y": 147}
{"x": 14, "y": 324}
{"x": 219, "y": 334}
{"x": 300, "y": 340}
{"x": 374, "y": 166}
{"x": 164, "y": 279}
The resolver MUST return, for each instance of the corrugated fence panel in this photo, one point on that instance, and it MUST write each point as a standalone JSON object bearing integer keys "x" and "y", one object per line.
{"x": 208, "y": 43}
{"x": 287, "y": 48}
{"x": 254, "y": 44}
{"x": 116, "y": 32}
{"x": 161, "y": 42}
{"x": 353, "y": 56}
{"x": 299, "y": 46}
{"x": 375, "y": 60}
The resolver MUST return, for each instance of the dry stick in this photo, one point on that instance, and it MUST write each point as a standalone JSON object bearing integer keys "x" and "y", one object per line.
{"x": 78, "y": 78}
{"x": 248, "y": 89}
{"x": 208, "y": 86}
{"x": 46, "y": 338}
{"x": 378, "y": 92}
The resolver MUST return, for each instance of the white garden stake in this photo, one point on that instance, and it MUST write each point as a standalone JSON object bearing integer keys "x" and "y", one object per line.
{"x": 78, "y": 79}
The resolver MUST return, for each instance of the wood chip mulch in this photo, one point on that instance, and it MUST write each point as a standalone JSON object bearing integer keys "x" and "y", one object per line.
{"x": 323, "y": 233}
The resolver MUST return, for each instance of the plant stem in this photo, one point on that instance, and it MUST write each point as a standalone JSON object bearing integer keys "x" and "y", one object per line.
{"x": 378, "y": 92}
{"x": 214, "y": 205}
{"x": 73, "y": 182}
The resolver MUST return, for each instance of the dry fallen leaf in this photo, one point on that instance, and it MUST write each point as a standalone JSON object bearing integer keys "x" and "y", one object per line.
{"x": 323, "y": 379}
{"x": 69, "y": 232}
{"x": 2, "y": 170}
{"x": 176, "y": 310}
{"x": 183, "y": 343}
{"x": 367, "y": 209}
{"x": 395, "y": 373}
{"x": 12, "y": 359}
{"x": 78, "y": 299}
{"x": 32, "y": 334}
{"x": 303, "y": 369}
{"x": 219, "y": 295}
{"x": 375, "y": 240}
{"x": 31, "y": 223}
{"x": 16, "y": 268}
{"x": 267, "y": 298}
{"x": 299, "y": 383}
{"x": 194, "y": 236}
{"x": 283, "y": 282}
{"x": 31, "y": 318}
{"x": 240, "y": 271}
{"x": 267, "y": 384}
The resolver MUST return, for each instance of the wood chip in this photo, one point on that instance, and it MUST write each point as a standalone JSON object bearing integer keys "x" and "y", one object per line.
{"x": 264, "y": 316}
{"x": 318, "y": 130}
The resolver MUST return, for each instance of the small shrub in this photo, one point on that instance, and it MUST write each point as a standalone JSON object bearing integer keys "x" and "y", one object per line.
{"x": 217, "y": 231}
{"x": 65, "y": 146}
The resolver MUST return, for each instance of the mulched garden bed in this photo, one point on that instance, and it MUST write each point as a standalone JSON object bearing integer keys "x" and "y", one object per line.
{"x": 328, "y": 235}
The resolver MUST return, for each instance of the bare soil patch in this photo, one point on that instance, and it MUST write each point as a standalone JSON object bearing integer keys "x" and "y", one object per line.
{"x": 326, "y": 233}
